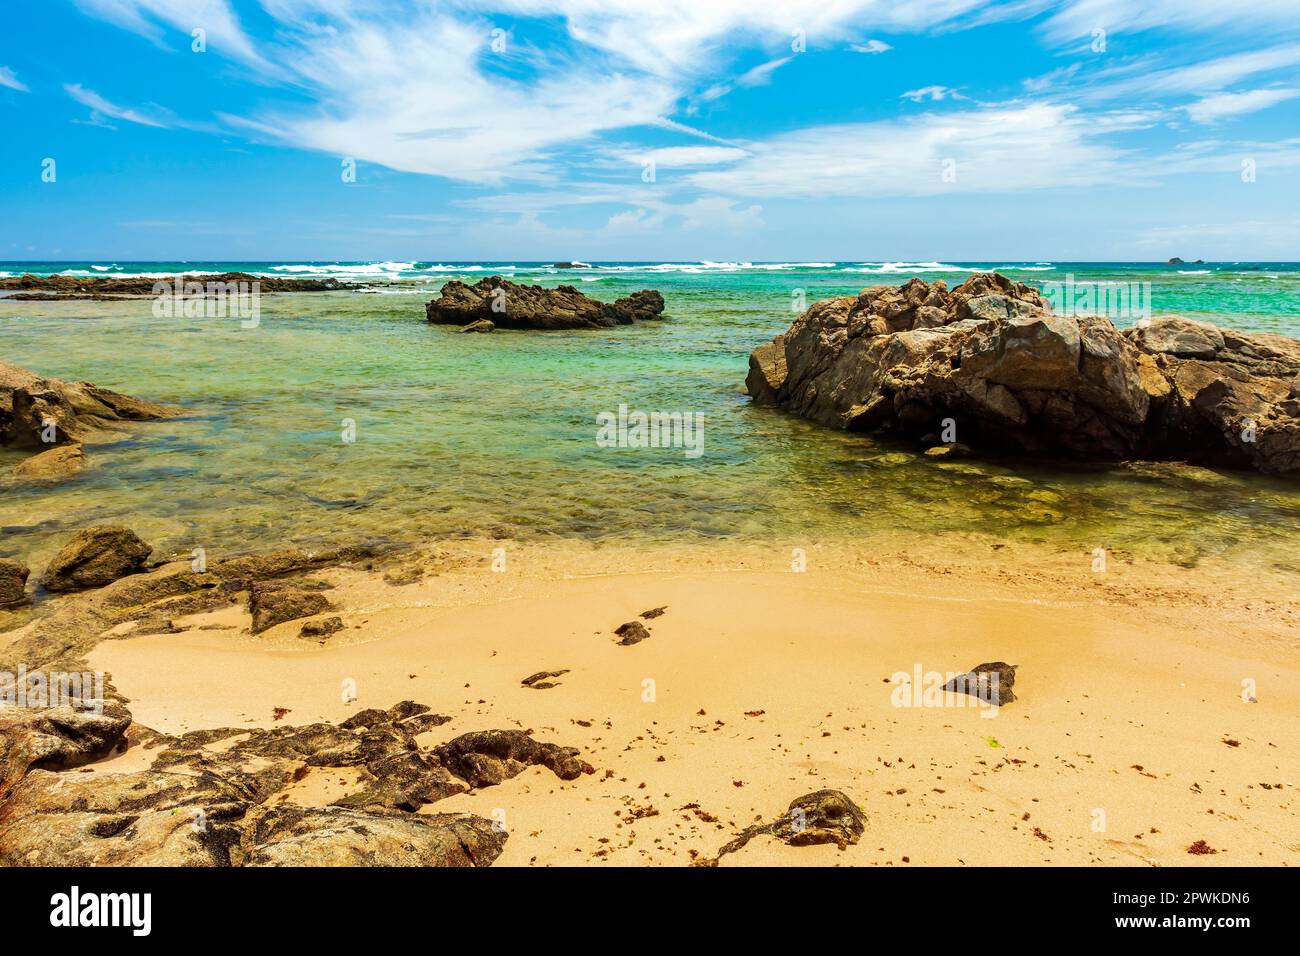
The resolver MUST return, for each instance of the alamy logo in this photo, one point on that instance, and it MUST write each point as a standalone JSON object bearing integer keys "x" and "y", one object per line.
{"x": 75, "y": 908}
{"x": 637, "y": 429}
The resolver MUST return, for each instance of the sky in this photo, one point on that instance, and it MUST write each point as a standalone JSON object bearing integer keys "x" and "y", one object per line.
{"x": 650, "y": 130}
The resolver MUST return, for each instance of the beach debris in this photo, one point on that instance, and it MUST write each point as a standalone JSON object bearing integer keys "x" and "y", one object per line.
{"x": 94, "y": 557}
{"x": 13, "y": 584}
{"x": 274, "y": 602}
{"x": 539, "y": 680}
{"x": 990, "y": 682}
{"x": 633, "y": 632}
{"x": 1231, "y": 742}
{"x": 823, "y": 816}
{"x": 989, "y": 363}
{"x": 1201, "y": 848}
{"x": 653, "y": 613}
{"x": 509, "y": 305}
{"x": 485, "y": 758}
{"x": 322, "y": 629}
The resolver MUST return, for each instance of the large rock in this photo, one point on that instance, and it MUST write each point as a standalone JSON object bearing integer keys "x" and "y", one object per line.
{"x": 30, "y": 287}
{"x": 59, "y": 462}
{"x": 57, "y": 738}
{"x": 508, "y": 305}
{"x": 274, "y": 602}
{"x": 37, "y": 412}
{"x": 95, "y": 557}
{"x": 224, "y": 797}
{"x": 13, "y": 583}
{"x": 1221, "y": 397}
{"x": 823, "y": 816}
{"x": 991, "y": 356}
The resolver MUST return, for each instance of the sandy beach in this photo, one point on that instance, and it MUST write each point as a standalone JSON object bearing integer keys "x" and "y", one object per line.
{"x": 1133, "y": 736}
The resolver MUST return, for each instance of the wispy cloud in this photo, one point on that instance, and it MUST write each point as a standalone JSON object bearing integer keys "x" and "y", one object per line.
{"x": 103, "y": 107}
{"x": 932, "y": 93}
{"x": 9, "y": 79}
{"x": 871, "y": 46}
{"x": 1211, "y": 109}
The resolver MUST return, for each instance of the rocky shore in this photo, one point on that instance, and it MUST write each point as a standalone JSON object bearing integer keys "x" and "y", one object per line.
{"x": 33, "y": 288}
{"x": 988, "y": 365}
{"x": 495, "y": 302}
{"x": 50, "y": 419}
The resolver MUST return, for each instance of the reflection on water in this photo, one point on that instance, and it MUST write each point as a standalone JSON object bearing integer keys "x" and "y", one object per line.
{"x": 469, "y": 433}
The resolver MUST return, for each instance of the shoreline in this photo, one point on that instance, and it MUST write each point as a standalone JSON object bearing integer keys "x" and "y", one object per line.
{"x": 790, "y": 670}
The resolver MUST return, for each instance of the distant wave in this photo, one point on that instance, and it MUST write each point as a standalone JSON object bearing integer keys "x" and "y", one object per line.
{"x": 1194, "y": 272}
{"x": 895, "y": 267}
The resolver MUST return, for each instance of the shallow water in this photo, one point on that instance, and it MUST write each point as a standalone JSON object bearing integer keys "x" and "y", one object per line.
{"x": 467, "y": 434}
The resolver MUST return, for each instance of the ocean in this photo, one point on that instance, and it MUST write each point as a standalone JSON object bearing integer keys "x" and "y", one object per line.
{"x": 343, "y": 416}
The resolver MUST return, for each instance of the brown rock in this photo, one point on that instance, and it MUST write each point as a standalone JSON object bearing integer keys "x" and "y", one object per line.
{"x": 275, "y": 602}
{"x": 13, "y": 584}
{"x": 59, "y": 462}
{"x": 95, "y": 557}
{"x": 509, "y": 305}
{"x": 321, "y": 630}
{"x": 486, "y": 758}
{"x": 991, "y": 683}
{"x": 823, "y": 816}
{"x": 633, "y": 632}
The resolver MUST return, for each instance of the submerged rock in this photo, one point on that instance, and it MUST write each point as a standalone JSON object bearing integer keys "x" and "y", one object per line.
{"x": 508, "y": 305}
{"x": 482, "y": 325}
{"x": 95, "y": 557}
{"x": 991, "y": 683}
{"x": 991, "y": 356}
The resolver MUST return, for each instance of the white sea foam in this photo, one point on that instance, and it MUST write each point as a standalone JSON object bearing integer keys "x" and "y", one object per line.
{"x": 895, "y": 267}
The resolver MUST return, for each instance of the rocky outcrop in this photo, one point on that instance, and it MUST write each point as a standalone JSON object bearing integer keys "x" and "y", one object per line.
{"x": 508, "y": 305}
{"x": 823, "y": 816}
{"x": 987, "y": 364}
{"x": 13, "y": 584}
{"x": 29, "y": 287}
{"x": 226, "y": 797}
{"x": 274, "y": 602}
{"x": 95, "y": 557}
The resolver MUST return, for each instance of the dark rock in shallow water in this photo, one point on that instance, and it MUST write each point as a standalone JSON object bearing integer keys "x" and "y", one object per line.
{"x": 509, "y": 305}
{"x": 633, "y": 632}
{"x": 991, "y": 357}
{"x": 823, "y": 816}
{"x": 482, "y": 325}
{"x": 35, "y": 288}
{"x": 95, "y": 557}
{"x": 991, "y": 683}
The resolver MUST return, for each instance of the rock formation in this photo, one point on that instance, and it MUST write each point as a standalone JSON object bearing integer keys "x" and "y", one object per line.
{"x": 508, "y": 305}
{"x": 991, "y": 357}
{"x": 823, "y": 816}
{"x": 28, "y": 287}
{"x": 50, "y": 418}
{"x": 95, "y": 557}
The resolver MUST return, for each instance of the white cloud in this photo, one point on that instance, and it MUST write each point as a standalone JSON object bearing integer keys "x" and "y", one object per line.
{"x": 104, "y": 108}
{"x": 672, "y": 157}
{"x": 991, "y": 150}
{"x": 932, "y": 93}
{"x": 215, "y": 17}
{"x": 871, "y": 46}
{"x": 7, "y": 78}
{"x": 1078, "y": 18}
{"x": 1211, "y": 109}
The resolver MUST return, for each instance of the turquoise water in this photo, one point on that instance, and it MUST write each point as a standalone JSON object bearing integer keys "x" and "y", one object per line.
{"x": 465, "y": 434}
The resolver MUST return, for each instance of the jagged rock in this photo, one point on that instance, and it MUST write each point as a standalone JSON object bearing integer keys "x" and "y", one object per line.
{"x": 513, "y": 306}
{"x": 36, "y": 412}
{"x": 992, "y": 357}
{"x": 275, "y": 602}
{"x": 218, "y": 797}
{"x": 486, "y": 758}
{"x": 539, "y": 680}
{"x": 95, "y": 557}
{"x": 991, "y": 683}
{"x": 13, "y": 583}
{"x": 482, "y": 325}
{"x": 337, "y": 836}
{"x": 57, "y": 738}
{"x": 823, "y": 816}
{"x": 633, "y": 632}
{"x": 1221, "y": 397}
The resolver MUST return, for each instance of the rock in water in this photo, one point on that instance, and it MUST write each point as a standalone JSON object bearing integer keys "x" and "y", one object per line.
{"x": 482, "y": 325}
{"x": 95, "y": 557}
{"x": 61, "y": 461}
{"x": 991, "y": 683}
{"x": 508, "y": 305}
{"x": 991, "y": 356}
{"x": 13, "y": 583}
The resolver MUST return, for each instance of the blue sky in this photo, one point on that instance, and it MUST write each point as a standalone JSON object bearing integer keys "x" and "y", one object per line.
{"x": 627, "y": 129}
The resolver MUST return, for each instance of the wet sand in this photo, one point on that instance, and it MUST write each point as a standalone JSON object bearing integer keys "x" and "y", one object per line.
{"x": 1131, "y": 738}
